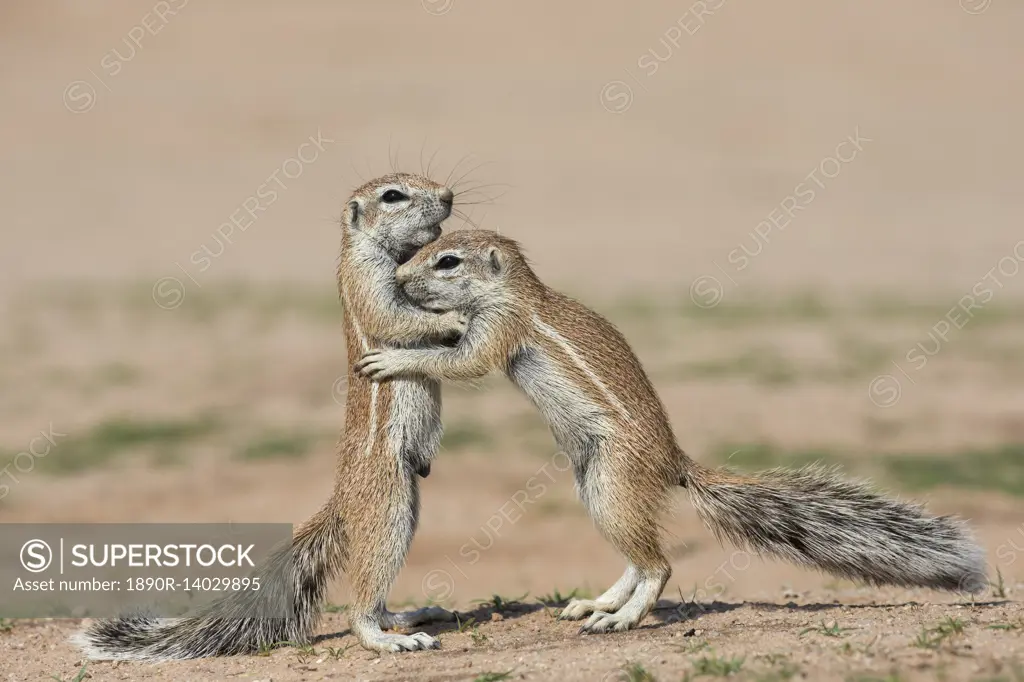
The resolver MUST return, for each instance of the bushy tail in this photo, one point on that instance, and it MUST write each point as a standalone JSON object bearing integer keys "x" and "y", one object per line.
{"x": 293, "y": 580}
{"x": 815, "y": 517}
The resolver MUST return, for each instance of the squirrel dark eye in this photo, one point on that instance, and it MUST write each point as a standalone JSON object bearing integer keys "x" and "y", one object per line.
{"x": 448, "y": 262}
{"x": 393, "y": 196}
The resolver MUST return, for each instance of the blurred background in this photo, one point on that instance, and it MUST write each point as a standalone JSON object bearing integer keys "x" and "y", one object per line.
{"x": 807, "y": 218}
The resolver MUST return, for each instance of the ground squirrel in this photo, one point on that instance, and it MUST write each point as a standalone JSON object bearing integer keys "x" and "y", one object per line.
{"x": 392, "y": 433}
{"x": 604, "y": 413}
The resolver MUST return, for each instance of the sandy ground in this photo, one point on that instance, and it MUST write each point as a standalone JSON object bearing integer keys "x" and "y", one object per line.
{"x": 793, "y": 203}
{"x": 474, "y": 541}
{"x": 777, "y": 640}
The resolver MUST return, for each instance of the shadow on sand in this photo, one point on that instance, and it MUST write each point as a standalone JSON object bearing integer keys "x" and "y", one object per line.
{"x": 665, "y": 613}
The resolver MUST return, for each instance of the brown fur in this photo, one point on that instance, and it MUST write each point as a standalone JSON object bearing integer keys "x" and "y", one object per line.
{"x": 376, "y": 487}
{"x": 366, "y": 526}
{"x": 581, "y": 373}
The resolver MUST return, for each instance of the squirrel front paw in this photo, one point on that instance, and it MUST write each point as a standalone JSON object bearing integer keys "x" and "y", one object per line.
{"x": 378, "y": 365}
{"x": 456, "y": 324}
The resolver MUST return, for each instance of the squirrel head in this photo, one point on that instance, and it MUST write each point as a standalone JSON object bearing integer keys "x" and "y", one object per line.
{"x": 401, "y": 212}
{"x": 464, "y": 270}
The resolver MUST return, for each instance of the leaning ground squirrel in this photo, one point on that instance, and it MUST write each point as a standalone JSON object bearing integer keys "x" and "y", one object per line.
{"x": 604, "y": 413}
{"x": 392, "y": 433}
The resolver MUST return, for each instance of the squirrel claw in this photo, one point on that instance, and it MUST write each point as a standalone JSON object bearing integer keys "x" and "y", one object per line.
{"x": 600, "y": 622}
{"x": 369, "y": 366}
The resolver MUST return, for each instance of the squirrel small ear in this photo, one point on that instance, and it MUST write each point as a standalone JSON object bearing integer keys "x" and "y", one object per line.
{"x": 353, "y": 207}
{"x": 497, "y": 259}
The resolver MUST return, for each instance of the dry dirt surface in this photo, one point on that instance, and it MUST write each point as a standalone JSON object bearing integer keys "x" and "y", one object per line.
{"x": 809, "y": 637}
{"x": 505, "y": 570}
{"x": 806, "y": 217}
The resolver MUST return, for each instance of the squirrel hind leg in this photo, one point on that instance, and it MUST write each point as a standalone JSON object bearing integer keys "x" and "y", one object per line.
{"x": 632, "y": 527}
{"x": 375, "y": 558}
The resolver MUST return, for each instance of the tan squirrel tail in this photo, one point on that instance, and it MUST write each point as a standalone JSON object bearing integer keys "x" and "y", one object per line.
{"x": 815, "y": 517}
{"x": 294, "y": 581}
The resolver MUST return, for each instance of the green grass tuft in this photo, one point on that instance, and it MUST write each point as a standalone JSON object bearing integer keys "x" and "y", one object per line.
{"x": 832, "y": 630}
{"x": 499, "y": 603}
{"x": 113, "y": 438}
{"x": 634, "y": 672}
{"x": 81, "y": 675}
{"x": 717, "y": 666}
{"x": 466, "y": 435}
{"x": 556, "y": 598}
{"x": 766, "y": 366}
{"x": 932, "y": 638}
{"x": 278, "y": 445}
{"x": 118, "y": 374}
{"x": 1000, "y": 469}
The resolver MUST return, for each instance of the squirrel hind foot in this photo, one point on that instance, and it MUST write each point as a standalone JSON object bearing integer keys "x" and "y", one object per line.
{"x": 600, "y": 622}
{"x": 640, "y": 603}
{"x": 387, "y": 643}
{"x": 577, "y": 609}
{"x": 410, "y": 619}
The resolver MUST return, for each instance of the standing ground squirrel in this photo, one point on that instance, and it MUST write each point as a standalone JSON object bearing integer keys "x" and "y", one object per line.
{"x": 604, "y": 413}
{"x": 392, "y": 433}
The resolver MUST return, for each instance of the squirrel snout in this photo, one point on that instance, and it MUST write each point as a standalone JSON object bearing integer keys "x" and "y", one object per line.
{"x": 446, "y": 196}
